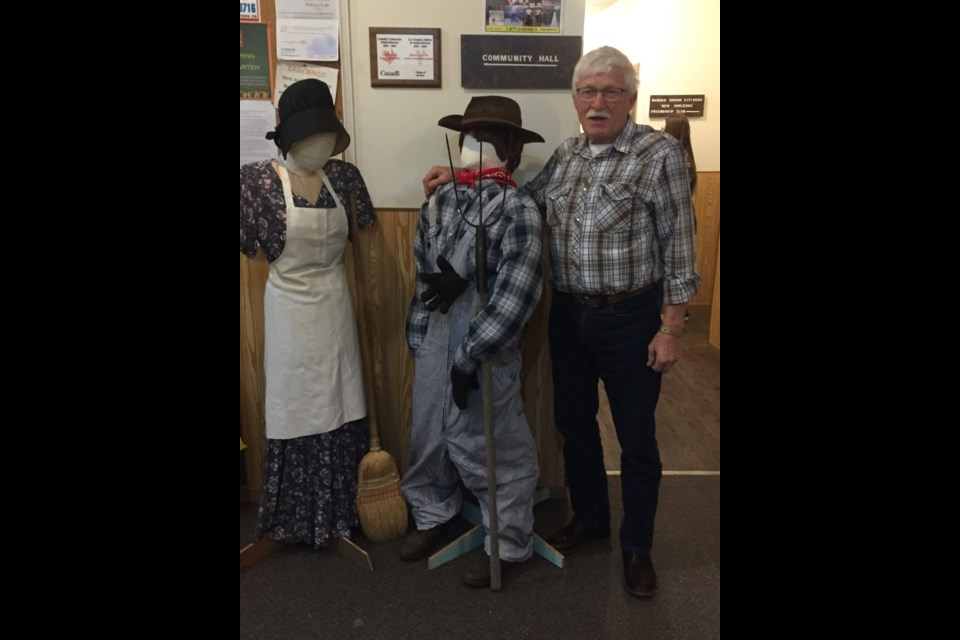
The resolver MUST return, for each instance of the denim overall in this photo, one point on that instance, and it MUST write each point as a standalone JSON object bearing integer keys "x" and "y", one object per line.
{"x": 446, "y": 440}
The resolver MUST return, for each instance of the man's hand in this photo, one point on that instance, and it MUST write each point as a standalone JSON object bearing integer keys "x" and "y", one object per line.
{"x": 445, "y": 286}
{"x": 662, "y": 352}
{"x": 664, "y": 349}
{"x": 437, "y": 176}
{"x": 462, "y": 383}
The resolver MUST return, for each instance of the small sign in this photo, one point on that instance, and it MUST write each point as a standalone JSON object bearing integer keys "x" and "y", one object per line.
{"x": 518, "y": 62}
{"x": 250, "y": 11}
{"x": 662, "y": 106}
{"x": 401, "y": 57}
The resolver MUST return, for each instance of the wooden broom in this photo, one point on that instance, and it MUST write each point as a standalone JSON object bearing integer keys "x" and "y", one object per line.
{"x": 380, "y": 503}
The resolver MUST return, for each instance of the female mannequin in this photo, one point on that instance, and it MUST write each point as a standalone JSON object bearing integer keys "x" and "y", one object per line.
{"x": 294, "y": 211}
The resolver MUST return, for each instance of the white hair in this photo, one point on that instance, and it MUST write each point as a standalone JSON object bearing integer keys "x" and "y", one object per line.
{"x": 605, "y": 60}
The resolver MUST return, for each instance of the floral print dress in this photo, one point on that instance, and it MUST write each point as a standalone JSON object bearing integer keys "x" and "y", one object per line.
{"x": 309, "y": 491}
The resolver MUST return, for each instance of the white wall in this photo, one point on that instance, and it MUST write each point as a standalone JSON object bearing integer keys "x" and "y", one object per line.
{"x": 394, "y": 130}
{"x": 395, "y": 136}
{"x": 677, "y": 44}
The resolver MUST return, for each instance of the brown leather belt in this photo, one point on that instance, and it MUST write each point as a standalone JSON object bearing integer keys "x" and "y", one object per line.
{"x": 598, "y": 301}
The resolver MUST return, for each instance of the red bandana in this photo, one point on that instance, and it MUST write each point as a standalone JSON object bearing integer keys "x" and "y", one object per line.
{"x": 497, "y": 174}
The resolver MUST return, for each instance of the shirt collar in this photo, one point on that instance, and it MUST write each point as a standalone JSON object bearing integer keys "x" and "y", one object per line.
{"x": 623, "y": 143}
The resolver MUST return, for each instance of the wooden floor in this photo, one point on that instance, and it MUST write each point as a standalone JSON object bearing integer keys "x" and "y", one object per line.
{"x": 688, "y": 414}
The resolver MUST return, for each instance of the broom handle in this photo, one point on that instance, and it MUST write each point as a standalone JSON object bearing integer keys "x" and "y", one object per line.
{"x": 366, "y": 339}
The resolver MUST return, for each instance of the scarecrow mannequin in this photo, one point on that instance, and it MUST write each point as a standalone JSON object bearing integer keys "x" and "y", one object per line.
{"x": 450, "y": 339}
{"x": 294, "y": 210}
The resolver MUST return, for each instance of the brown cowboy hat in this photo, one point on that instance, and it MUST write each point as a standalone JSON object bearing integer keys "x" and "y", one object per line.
{"x": 491, "y": 111}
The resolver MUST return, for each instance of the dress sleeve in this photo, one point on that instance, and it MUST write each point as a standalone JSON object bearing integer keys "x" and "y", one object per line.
{"x": 366, "y": 215}
{"x": 250, "y": 210}
{"x": 346, "y": 179}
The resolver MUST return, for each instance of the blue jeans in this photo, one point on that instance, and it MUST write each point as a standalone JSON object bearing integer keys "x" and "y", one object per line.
{"x": 609, "y": 344}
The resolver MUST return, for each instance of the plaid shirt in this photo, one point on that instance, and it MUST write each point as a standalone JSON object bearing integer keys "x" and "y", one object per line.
{"x": 622, "y": 220}
{"x": 513, "y": 255}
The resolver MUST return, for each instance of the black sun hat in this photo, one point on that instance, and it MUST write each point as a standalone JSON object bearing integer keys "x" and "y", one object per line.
{"x": 491, "y": 111}
{"x": 306, "y": 108}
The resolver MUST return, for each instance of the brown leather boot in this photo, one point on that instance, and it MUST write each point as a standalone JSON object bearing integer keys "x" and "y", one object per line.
{"x": 639, "y": 575}
{"x": 478, "y": 575}
{"x": 420, "y": 544}
{"x": 569, "y": 538}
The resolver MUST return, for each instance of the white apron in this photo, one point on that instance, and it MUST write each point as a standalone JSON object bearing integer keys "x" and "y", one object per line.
{"x": 312, "y": 360}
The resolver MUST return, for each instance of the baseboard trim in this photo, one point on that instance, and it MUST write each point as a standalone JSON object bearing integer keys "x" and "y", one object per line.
{"x": 676, "y": 473}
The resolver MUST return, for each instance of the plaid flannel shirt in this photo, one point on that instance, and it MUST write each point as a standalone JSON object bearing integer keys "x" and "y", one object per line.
{"x": 621, "y": 220}
{"x": 513, "y": 255}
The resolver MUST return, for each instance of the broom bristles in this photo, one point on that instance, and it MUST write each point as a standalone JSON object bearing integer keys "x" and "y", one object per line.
{"x": 380, "y": 503}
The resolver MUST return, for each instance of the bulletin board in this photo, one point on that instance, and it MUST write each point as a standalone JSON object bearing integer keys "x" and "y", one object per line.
{"x": 268, "y": 16}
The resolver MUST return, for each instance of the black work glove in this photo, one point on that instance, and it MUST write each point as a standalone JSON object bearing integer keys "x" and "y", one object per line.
{"x": 462, "y": 383}
{"x": 444, "y": 287}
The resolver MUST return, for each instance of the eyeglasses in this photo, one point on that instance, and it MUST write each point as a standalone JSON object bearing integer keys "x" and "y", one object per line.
{"x": 612, "y": 94}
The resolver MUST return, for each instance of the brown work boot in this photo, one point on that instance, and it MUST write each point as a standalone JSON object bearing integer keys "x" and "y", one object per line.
{"x": 420, "y": 544}
{"x": 639, "y": 575}
{"x": 478, "y": 575}
{"x": 569, "y": 538}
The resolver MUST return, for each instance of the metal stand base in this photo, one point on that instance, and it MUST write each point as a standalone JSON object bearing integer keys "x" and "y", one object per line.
{"x": 474, "y": 537}
{"x": 259, "y": 550}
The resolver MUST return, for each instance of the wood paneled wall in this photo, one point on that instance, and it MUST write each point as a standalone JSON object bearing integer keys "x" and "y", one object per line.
{"x": 706, "y": 202}
{"x": 386, "y": 248}
{"x": 253, "y": 278}
{"x": 715, "y": 307}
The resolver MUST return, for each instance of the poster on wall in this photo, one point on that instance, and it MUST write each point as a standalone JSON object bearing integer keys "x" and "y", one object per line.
{"x": 256, "y": 118}
{"x": 290, "y": 72}
{"x": 308, "y": 30}
{"x": 518, "y": 62}
{"x": 254, "y": 62}
{"x": 522, "y": 16}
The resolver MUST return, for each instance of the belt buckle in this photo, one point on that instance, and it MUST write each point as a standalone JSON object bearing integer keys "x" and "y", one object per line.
{"x": 581, "y": 300}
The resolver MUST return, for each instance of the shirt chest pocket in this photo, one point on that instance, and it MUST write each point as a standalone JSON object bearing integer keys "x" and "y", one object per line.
{"x": 557, "y": 202}
{"x": 615, "y": 212}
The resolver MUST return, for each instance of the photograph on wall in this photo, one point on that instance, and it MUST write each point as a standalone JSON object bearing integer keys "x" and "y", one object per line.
{"x": 254, "y": 61}
{"x": 522, "y": 16}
